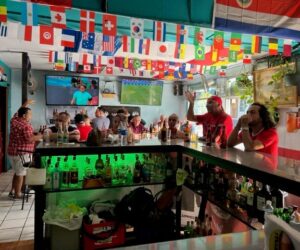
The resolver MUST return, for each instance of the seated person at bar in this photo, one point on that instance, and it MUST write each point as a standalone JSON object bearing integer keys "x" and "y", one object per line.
{"x": 63, "y": 118}
{"x": 136, "y": 125}
{"x": 101, "y": 122}
{"x": 214, "y": 117}
{"x": 256, "y": 131}
{"x": 84, "y": 129}
{"x": 173, "y": 124}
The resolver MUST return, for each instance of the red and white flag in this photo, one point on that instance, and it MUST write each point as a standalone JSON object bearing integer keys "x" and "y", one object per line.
{"x": 87, "y": 21}
{"x": 109, "y": 70}
{"x": 58, "y": 17}
{"x": 25, "y": 33}
{"x": 109, "y": 25}
{"x": 163, "y": 49}
{"x": 46, "y": 35}
{"x": 287, "y": 47}
{"x": 85, "y": 58}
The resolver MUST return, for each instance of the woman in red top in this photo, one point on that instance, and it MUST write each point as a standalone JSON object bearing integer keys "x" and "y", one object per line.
{"x": 83, "y": 128}
{"x": 256, "y": 131}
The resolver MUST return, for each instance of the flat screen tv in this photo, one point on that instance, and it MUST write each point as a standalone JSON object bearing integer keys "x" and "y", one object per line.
{"x": 141, "y": 92}
{"x": 72, "y": 90}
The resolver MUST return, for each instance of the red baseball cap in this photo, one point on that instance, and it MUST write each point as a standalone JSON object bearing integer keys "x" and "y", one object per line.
{"x": 216, "y": 98}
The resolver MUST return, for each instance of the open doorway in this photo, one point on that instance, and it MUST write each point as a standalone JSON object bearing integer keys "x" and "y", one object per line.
{"x": 3, "y": 127}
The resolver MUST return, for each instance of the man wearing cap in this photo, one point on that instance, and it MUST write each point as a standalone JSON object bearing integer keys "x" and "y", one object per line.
{"x": 214, "y": 117}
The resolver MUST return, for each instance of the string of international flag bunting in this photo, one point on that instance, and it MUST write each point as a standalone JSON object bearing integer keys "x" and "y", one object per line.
{"x": 195, "y": 50}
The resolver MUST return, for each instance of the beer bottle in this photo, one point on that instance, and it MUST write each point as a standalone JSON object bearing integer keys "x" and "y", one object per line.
{"x": 277, "y": 198}
{"x": 164, "y": 132}
{"x": 223, "y": 139}
{"x": 208, "y": 136}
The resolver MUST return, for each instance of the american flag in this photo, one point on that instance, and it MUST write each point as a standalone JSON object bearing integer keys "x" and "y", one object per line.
{"x": 108, "y": 43}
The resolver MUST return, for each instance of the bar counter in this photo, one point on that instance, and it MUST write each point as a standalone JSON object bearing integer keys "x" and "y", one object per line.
{"x": 272, "y": 170}
{"x": 250, "y": 240}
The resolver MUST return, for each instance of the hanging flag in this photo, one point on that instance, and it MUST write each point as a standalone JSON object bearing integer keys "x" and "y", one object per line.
{"x": 199, "y": 52}
{"x": 247, "y": 57}
{"x": 144, "y": 46}
{"x": 159, "y": 31}
{"x": 68, "y": 38}
{"x": 182, "y": 51}
{"x": 137, "y": 28}
{"x": 88, "y": 40}
{"x": 52, "y": 56}
{"x": 86, "y": 68}
{"x": 287, "y": 47}
{"x": 3, "y": 29}
{"x": 128, "y": 44}
{"x": 109, "y": 25}
{"x": 256, "y": 44}
{"x": 97, "y": 69}
{"x": 214, "y": 54}
{"x": 87, "y": 21}
{"x": 108, "y": 43}
{"x": 198, "y": 36}
{"x": 29, "y": 14}
{"x": 25, "y": 32}
{"x": 137, "y": 63}
{"x": 85, "y": 58}
{"x": 278, "y": 18}
{"x": 109, "y": 70}
{"x": 235, "y": 42}
{"x": 232, "y": 56}
{"x": 218, "y": 40}
{"x": 163, "y": 49}
{"x": 59, "y": 65}
{"x": 119, "y": 62}
{"x": 273, "y": 46}
{"x": 222, "y": 71}
{"x": 213, "y": 70}
{"x": 181, "y": 34}
{"x": 58, "y": 17}
{"x": 3, "y": 11}
{"x": 46, "y": 35}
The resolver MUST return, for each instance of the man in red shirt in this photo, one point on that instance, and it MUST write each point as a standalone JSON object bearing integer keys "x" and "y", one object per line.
{"x": 214, "y": 117}
{"x": 256, "y": 131}
{"x": 83, "y": 128}
{"x": 21, "y": 138}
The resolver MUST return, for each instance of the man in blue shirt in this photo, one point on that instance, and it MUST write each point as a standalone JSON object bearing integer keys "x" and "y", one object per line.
{"x": 81, "y": 96}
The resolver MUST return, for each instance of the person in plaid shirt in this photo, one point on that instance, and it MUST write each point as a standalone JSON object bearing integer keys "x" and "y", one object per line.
{"x": 21, "y": 138}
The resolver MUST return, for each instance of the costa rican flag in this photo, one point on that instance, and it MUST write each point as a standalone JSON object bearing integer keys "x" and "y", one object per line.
{"x": 87, "y": 21}
{"x": 270, "y": 18}
{"x": 108, "y": 43}
{"x": 159, "y": 31}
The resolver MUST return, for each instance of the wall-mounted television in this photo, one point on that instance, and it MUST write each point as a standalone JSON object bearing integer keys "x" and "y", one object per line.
{"x": 141, "y": 92}
{"x": 72, "y": 90}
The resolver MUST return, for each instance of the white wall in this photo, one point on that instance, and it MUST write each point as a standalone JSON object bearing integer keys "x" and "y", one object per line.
{"x": 170, "y": 103}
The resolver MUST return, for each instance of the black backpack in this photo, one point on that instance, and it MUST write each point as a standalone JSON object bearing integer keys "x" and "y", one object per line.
{"x": 136, "y": 207}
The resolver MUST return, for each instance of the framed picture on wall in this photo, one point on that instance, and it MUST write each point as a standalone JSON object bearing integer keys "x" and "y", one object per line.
{"x": 266, "y": 89}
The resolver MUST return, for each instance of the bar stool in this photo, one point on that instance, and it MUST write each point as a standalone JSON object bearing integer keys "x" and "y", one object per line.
{"x": 26, "y": 164}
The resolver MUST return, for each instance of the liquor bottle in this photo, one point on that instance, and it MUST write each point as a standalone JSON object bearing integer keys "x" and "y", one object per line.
{"x": 151, "y": 129}
{"x": 223, "y": 138}
{"x": 137, "y": 170}
{"x": 108, "y": 172}
{"x": 187, "y": 132}
{"x": 147, "y": 169}
{"x": 277, "y": 198}
{"x": 65, "y": 174}
{"x": 48, "y": 184}
{"x": 208, "y": 136}
{"x": 55, "y": 177}
{"x": 99, "y": 166}
{"x": 251, "y": 199}
{"x": 65, "y": 134}
{"x": 164, "y": 132}
{"x": 60, "y": 134}
{"x": 261, "y": 198}
{"x": 46, "y": 136}
{"x": 88, "y": 173}
{"x": 74, "y": 173}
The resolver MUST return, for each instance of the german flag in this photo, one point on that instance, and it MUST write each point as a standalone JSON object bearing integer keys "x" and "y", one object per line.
{"x": 256, "y": 44}
{"x": 273, "y": 46}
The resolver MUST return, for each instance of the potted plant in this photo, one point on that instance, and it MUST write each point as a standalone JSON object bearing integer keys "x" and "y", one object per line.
{"x": 243, "y": 87}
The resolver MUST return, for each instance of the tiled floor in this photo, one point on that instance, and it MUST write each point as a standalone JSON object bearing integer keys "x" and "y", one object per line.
{"x": 15, "y": 224}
